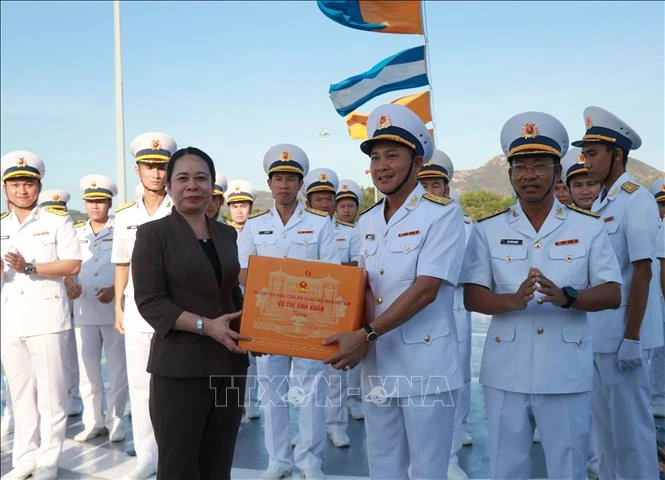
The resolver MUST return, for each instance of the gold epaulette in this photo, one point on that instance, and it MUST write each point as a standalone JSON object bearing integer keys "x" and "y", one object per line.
{"x": 56, "y": 211}
{"x": 437, "y": 199}
{"x": 126, "y": 205}
{"x": 494, "y": 214}
{"x": 583, "y": 211}
{"x": 320, "y": 213}
{"x": 346, "y": 224}
{"x": 369, "y": 208}
{"x": 257, "y": 213}
{"x": 629, "y": 187}
{"x": 4, "y": 214}
{"x": 79, "y": 223}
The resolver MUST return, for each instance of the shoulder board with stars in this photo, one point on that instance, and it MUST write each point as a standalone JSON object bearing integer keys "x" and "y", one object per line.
{"x": 79, "y": 223}
{"x": 123, "y": 207}
{"x": 4, "y": 214}
{"x": 494, "y": 214}
{"x": 583, "y": 211}
{"x": 629, "y": 187}
{"x": 56, "y": 211}
{"x": 346, "y": 224}
{"x": 369, "y": 208}
{"x": 317, "y": 212}
{"x": 257, "y": 213}
{"x": 437, "y": 199}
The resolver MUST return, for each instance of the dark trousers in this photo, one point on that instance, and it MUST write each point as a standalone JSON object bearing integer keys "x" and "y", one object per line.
{"x": 196, "y": 422}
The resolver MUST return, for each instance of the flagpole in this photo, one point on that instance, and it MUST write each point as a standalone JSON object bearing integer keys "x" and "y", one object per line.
{"x": 119, "y": 108}
{"x": 429, "y": 71}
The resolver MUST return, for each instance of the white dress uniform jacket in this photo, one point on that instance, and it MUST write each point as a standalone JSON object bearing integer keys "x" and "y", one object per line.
{"x": 347, "y": 241}
{"x": 543, "y": 349}
{"x": 423, "y": 238}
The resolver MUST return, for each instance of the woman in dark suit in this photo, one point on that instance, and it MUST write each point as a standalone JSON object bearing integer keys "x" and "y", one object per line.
{"x": 185, "y": 271}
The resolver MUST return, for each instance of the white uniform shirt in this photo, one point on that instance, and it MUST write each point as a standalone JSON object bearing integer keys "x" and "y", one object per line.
{"x": 461, "y": 320}
{"x": 127, "y": 222}
{"x": 306, "y": 236}
{"x": 34, "y": 305}
{"x": 422, "y": 238}
{"x": 347, "y": 241}
{"x": 97, "y": 271}
{"x": 631, "y": 221}
{"x": 542, "y": 349}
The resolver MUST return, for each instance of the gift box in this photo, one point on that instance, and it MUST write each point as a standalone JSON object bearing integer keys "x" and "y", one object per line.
{"x": 292, "y": 305}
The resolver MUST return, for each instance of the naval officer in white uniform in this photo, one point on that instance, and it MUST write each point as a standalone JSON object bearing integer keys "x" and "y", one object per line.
{"x": 289, "y": 230}
{"x": 217, "y": 200}
{"x": 152, "y": 152}
{"x": 38, "y": 247}
{"x": 413, "y": 245}
{"x": 621, "y": 411}
{"x": 537, "y": 268}
{"x": 94, "y": 318}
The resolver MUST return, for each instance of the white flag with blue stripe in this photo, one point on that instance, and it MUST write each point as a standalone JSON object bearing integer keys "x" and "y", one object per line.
{"x": 406, "y": 69}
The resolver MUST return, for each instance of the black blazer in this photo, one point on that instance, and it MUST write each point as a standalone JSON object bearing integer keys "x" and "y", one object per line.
{"x": 172, "y": 274}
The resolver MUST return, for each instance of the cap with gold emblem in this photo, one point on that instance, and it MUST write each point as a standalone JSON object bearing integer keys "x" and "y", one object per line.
{"x": 153, "y": 147}
{"x": 397, "y": 123}
{"x": 572, "y": 164}
{"x": 240, "y": 191}
{"x": 54, "y": 198}
{"x": 320, "y": 180}
{"x": 286, "y": 158}
{"x": 349, "y": 189}
{"x": 440, "y": 166}
{"x": 657, "y": 189}
{"x": 533, "y": 133}
{"x": 604, "y": 126}
{"x": 21, "y": 163}
{"x": 97, "y": 187}
{"x": 220, "y": 186}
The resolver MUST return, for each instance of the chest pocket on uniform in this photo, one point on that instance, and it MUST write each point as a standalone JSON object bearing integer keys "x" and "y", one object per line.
{"x": 42, "y": 248}
{"x": 614, "y": 234}
{"x": 569, "y": 266}
{"x": 265, "y": 243}
{"x": 508, "y": 263}
{"x": 306, "y": 245}
{"x": 404, "y": 252}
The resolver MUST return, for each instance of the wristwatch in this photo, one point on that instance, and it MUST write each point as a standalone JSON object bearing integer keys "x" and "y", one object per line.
{"x": 571, "y": 295}
{"x": 199, "y": 326}
{"x": 30, "y": 269}
{"x": 371, "y": 334}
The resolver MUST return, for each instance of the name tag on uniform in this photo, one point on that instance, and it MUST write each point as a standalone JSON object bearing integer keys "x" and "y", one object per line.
{"x": 132, "y": 227}
{"x": 265, "y": 232}
{"x": 572, "y": 241}
{"x": 305, "y": 231}
{"x": 511, "y": 241}
{"x": 83, "y": 241}
{"x": 408, "y": 234}
{"x": 340, "y": 239}
{"x": 608, "y": 219}
{"x": 4, "y": 237}
{"x": 369, "y": 236}
{"x": 40, "y": 233}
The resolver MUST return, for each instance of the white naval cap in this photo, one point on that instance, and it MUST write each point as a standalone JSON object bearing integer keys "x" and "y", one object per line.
{"x": 153, "y": 147}
{"x": 21, "y": 163}
{"x": 220, "y": 185}
{"x": 97, "y": 187}
{"x": 439, "y": 166}
{"x": 240, "y": 191}
{"x": 320, "y": 180}
{"x": 397, "y": 123}
{"x": 286, "y": 158}
{"x": 533, "y": 133}
{"x": 349, "y": 189}
{"x": 604, "y": 126}
{"x": 572, "y": 164}
{"x": 657, "y": 189}
{"x": 54, "y": 198}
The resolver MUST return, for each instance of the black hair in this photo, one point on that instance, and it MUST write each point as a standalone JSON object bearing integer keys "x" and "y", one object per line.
{"x": 197, "y": 152}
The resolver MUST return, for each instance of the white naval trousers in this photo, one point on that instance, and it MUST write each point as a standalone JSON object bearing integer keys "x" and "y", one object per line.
{"x": 38, "y": 386}
{"x": 413, "y": 432}
{"x": 307, "y": 390}
{"x": 463, "y": 400}
{"x": 137, "y": 349}
{"x": 336, "y": 385}
{"x": 563, "y": 421}
{"x": 622, "y": 419}
{"x": 90, "y": 339}
{"x": 657, "y": 375}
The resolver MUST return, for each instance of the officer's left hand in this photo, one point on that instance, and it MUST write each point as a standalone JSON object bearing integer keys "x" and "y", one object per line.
{"x": 552, "y": 293}
{"x": 352, "y": 348}
{"x": 105, "y": 295}
{"x": 16, "y": 261}
{"x": 629, "y": 355}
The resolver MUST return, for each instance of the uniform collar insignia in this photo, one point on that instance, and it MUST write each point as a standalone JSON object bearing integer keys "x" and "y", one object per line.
{"x": 414, "y": 200}
{"x": 559, "y": 212}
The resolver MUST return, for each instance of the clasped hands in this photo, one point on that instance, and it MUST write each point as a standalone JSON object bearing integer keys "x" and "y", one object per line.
{"x": 537, "y": 282}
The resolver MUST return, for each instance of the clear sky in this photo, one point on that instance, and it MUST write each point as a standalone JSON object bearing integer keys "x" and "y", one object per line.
{"x": 235, "y": 78}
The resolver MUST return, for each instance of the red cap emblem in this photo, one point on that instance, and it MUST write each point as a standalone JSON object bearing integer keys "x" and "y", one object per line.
{"x": 530, "y": 130}
{"x": 384, "y": 122}
{"x": 156, "y": 144}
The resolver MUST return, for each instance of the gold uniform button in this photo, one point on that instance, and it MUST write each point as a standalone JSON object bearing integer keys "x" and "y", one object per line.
{"x": 509, "y": 258}
{"x": 569, "y": 257}
{"x": 538, "y": 245}
{"x": 380, "y": 271}
{"x": 406, "y": 248}
{"x": 379, "y": 301}
{"x": 498, "y": 339}
{"x": 283, "y": 235}
{"x": 427, "y": 338}
{"x": 540, "y": 330}
{"x": 580, "y": 342}
{"x": 306, "y": 242}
